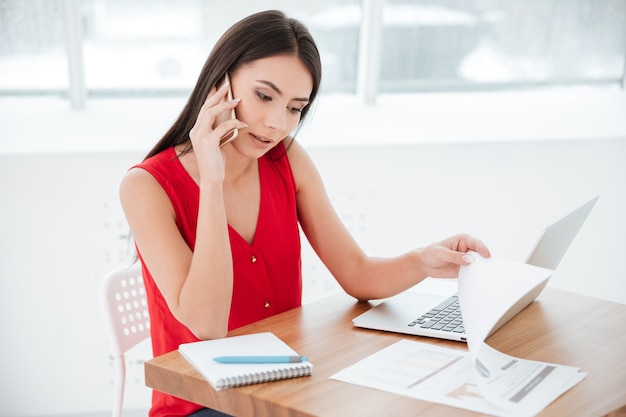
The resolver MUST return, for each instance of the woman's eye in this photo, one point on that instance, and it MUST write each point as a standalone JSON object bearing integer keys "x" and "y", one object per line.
{"x": 263, "y": 97}
{"x": 295, "y": 109}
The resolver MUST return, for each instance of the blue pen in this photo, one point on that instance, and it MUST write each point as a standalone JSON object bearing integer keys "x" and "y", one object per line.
{"x": 260, "y": 359}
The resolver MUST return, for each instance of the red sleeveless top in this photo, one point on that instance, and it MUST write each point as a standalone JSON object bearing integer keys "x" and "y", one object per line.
{"x": 267, "y": 273}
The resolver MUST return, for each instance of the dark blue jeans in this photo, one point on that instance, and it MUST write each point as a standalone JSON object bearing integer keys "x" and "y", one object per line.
{"x": 208, "y": 412}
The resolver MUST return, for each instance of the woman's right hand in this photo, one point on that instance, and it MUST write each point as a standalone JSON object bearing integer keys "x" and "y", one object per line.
{"x": 205, "y": 136}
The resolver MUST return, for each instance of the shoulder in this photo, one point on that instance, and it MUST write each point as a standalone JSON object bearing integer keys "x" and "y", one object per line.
{"x": 302, "y": 165}
{"x": 137, "y": 178}
{"x": 139, "y": 190}
{"x": 145, "y": 174}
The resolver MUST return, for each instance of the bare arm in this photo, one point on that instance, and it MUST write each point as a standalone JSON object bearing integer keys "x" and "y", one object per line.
{"x": 362, "y": 276}
{"x": 197, "y": 286}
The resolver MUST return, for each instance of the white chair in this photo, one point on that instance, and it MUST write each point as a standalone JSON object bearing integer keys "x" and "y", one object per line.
{"x": 125, "y": 308}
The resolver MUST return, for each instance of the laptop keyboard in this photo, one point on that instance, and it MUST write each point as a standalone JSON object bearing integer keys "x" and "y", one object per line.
{"x": 446, "y": 317}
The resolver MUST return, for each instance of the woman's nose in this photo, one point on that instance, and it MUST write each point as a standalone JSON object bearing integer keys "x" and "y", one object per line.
{"x": 276, "y": 119}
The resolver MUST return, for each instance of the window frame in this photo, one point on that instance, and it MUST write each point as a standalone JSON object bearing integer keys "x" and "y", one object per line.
{"x": 368, "y": 69}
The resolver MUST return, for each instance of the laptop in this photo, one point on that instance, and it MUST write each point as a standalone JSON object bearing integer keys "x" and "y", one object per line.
{"x": 439, "y": 316}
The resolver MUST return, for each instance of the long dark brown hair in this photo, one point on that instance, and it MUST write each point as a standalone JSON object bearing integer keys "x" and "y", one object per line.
{"x": 257, "y": 36}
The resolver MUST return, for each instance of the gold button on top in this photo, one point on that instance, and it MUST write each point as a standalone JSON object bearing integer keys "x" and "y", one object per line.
{"x": 267, "y": 304}
{"x": 253, "y": 259}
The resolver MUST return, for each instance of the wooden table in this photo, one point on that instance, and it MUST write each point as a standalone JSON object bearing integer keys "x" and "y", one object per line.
{"x": 559, "y": 327}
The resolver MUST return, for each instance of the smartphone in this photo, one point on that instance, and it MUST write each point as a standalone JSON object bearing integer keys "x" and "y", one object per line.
{"x": 232, "y": 134}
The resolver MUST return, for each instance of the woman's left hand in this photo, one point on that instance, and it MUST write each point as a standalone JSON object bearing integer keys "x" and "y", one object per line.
{"x": 442, "y": 259}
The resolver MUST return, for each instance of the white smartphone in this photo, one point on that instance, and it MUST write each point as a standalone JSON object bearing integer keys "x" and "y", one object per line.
{"x": 232, "y": 134}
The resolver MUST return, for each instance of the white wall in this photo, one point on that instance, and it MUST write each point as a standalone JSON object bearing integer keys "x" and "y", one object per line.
{"x": 63, "y": 229}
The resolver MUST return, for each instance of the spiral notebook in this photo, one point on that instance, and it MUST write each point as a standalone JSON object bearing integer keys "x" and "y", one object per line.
{"x": 222, "y": 375}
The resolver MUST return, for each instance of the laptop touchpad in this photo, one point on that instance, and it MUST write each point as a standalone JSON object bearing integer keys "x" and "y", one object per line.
{"x": 401, "y": 309}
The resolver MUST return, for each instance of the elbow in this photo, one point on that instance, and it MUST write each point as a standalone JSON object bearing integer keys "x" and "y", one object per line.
{"x": 361, "y": 298}
{"x": 359, "y": 292}
{"x": 365, "y": 293}
{"x": 208, "y": 334}
{"x": 206, "y": 319}
{"x": 205, "y": 329}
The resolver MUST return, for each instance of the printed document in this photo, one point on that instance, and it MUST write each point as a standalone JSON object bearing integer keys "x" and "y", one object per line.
{"x": 480, "y": 378}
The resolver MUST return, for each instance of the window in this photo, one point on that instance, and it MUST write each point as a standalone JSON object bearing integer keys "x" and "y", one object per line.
{"x": 147, "y": 45}
{"x": 156, "y": 47}
{"x": 144, "y": 46}
{"x": 459, "y": 44}
{"x": 33, "y": 56}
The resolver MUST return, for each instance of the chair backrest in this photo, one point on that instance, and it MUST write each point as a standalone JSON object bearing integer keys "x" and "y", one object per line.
{"x": 125, "y": 308}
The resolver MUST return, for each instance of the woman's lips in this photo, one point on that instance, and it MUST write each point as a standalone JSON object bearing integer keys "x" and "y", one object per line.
{"x": 261, "y": 139}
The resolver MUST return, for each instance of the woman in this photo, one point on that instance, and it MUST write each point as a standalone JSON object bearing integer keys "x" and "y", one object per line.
{"x": 216, "y": 228}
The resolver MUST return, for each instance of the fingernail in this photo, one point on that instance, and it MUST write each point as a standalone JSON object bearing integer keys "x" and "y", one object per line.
{"x": 468, "y": 259}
